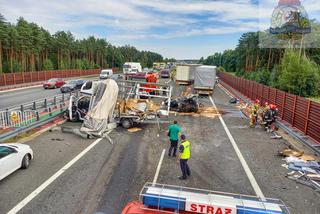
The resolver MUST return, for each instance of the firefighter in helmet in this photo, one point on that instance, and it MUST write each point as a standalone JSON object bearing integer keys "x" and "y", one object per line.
{"x": 262, "y": 111}
{"x": 270, "y": 116}
{"x": 253, "y": 111}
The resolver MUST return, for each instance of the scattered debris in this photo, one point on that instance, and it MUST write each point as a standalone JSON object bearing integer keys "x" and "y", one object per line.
{"x": 186, "y": 92}
{"x": 234, "y": 100}
{"x": 186, "y": 104}
{"x": 275, "y": 135}
{"x": 135, "y": 129}
{"x": 303, "y": 168}
{"x": 289, "y": 152}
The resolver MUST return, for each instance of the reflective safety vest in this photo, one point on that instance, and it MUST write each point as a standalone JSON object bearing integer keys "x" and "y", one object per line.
{"x": 186, "y": 150}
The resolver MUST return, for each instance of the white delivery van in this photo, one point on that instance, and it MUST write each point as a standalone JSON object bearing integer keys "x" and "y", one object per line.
{"x": 132, "y": 67}
{"x": 105, "y": 73}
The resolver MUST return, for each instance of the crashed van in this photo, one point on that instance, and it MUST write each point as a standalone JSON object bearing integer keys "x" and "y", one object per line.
{"x": 129, "y": 109}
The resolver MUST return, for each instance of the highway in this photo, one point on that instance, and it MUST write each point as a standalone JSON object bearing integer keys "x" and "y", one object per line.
{"x": 24, "y": 95}
{"x": 108, "y": 176}
{"x": 14, "y": 98}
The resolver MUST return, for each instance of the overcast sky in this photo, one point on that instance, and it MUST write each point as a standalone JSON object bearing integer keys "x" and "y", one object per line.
{"x": 183, "y": 29}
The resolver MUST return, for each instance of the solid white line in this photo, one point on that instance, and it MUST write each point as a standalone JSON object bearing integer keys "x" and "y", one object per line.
{"x": 21, "y": 88}
{"x": 225, "y": 90}
{"x": 244, "y": 164}
{"x": 158, "y": 167}
{"x": 37, "y": 191}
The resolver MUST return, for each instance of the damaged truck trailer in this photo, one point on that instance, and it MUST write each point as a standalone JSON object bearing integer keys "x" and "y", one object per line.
{"x": 204, "y": 79}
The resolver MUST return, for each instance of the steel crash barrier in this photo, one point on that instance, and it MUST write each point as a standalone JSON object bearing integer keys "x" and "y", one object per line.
{"x": 19, "y": 119}
{"x": 299, "y": 112}
{"x": 9, "y": 119}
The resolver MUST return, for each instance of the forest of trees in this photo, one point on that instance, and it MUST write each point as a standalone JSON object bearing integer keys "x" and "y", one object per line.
{"x": 25, "y": 46}
{"x": 291, "y": 69}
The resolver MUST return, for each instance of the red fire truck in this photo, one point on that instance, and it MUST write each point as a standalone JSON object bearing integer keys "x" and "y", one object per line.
{"x": 160, "y": 199}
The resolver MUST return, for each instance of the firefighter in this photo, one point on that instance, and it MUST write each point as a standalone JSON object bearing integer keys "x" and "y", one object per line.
{"x": 262, "y": 111}
{"x": 270, "y": 117}
{"x": 253, "y": 111}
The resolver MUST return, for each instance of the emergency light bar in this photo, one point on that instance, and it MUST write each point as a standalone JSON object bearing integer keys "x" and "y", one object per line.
{"x": 208, "y": 202}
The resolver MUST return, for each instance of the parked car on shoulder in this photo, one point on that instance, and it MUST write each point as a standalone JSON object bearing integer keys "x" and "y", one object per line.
{"x": 53, "y": 83}
{"x": 14, "y": 156}
{"x": 106, "y": 73}
{"x": 72, "y": 85}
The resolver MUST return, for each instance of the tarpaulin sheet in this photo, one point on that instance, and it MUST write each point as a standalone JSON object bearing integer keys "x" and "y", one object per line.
{"x": 205, "y": 77}
{"x": 101, "y": 114}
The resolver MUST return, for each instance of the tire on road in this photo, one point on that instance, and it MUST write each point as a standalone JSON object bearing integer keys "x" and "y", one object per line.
{"x": 25, "y": 161}
{"x": 126, "y": 123}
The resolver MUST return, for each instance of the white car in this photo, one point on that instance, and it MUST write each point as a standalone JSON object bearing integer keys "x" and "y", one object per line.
{"x": 14, "y": 156}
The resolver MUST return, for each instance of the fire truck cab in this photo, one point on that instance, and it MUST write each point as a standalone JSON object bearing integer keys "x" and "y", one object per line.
{"x": 160, "y": 199}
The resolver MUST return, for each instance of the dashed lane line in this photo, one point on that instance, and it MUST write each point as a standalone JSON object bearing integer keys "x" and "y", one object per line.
{"x": 37, "y": 191}
{"x": 243, "y": 162}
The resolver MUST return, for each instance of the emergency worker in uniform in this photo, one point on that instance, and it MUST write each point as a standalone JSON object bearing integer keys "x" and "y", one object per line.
{"x": 270, "y": 117}
{"x": 184, "y": 156}
{"x": 253, "y": 111}
{"x": 263, "y": 110}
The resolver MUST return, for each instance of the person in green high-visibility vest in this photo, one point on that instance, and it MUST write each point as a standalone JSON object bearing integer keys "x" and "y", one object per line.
{"x": 184, "y": 156}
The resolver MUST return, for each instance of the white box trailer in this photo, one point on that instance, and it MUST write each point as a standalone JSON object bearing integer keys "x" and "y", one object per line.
{"x": 205, "y": 79}
{"x": 185, "y": 73}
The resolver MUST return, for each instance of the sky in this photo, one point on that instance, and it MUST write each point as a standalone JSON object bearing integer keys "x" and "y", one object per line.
{"x": 182, "y": 29}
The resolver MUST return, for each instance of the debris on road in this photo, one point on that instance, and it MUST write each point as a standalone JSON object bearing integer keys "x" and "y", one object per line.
{"x": 186, "y": 104}
{"x": 135, "y": 129}
{"x": 303, "y": 168}
{"x": 234, "y": 100}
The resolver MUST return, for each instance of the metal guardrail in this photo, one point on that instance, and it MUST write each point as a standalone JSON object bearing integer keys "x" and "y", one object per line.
{"x": 21, "y": 118}
{"x": 41, "y": 104}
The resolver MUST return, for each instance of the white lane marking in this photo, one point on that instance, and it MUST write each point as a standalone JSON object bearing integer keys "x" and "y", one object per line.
{"x": 18, "y": 89}
{"x": 37, "y": 191}
{"x": 225, "y": 90}
{"x": 158, "y": 167}
{"x": 244, "y": 164}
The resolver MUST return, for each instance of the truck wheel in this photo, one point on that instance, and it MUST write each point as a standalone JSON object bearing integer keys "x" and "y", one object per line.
{"x": 126, "y": 123}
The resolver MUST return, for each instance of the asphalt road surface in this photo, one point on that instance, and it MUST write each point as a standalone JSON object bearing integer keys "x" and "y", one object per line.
{"x": 110, "y": 175}
{"x": 25, "y": 95}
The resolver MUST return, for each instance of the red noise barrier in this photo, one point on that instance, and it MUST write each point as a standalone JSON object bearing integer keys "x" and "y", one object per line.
{"x": 299, "y": 112}
{"x": 29, "y": 77}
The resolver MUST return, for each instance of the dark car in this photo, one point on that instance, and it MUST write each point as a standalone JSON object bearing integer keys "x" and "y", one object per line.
{"x": 165, "y": 73}
{"x": 53, "y": 83}
{"x": 71, "y": 86}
